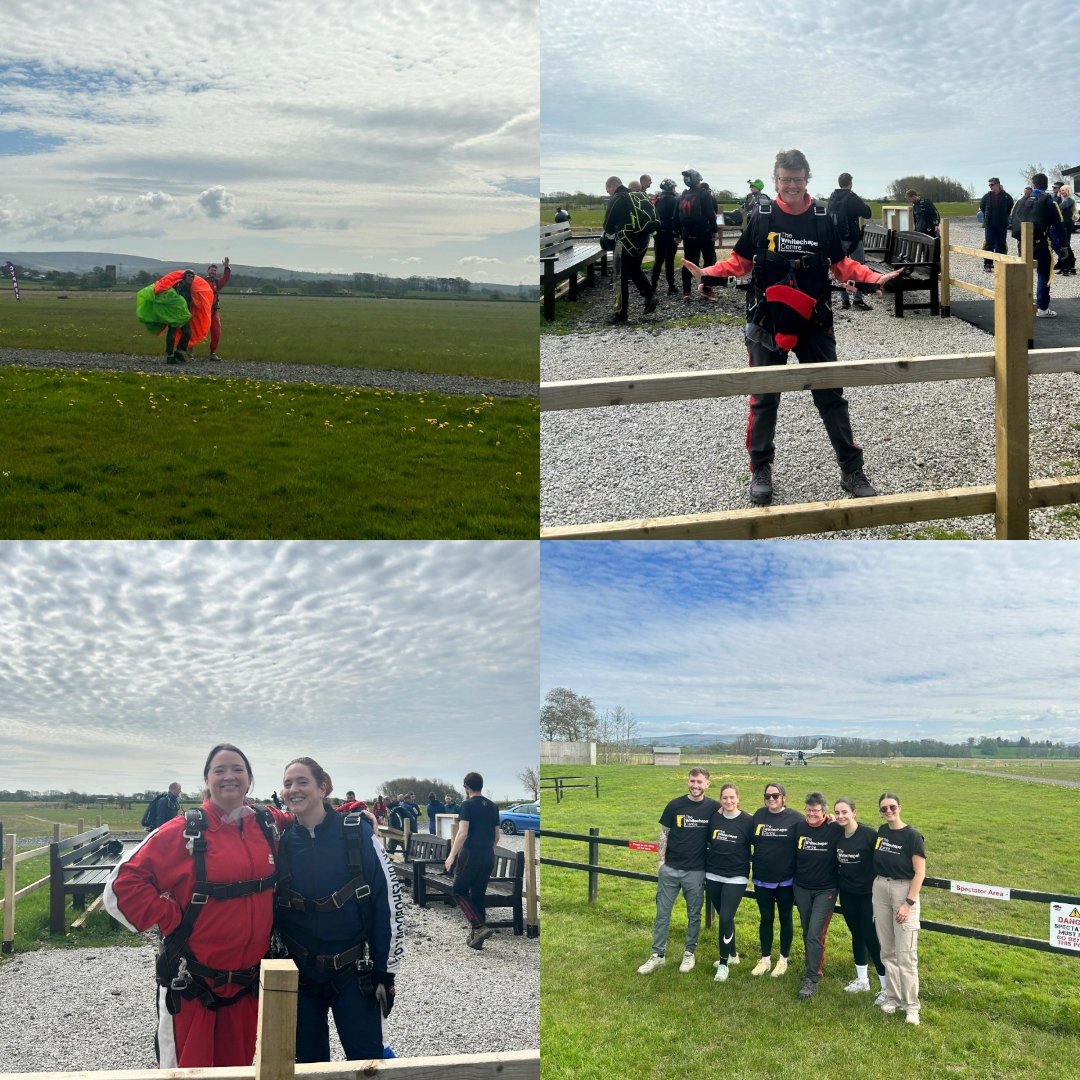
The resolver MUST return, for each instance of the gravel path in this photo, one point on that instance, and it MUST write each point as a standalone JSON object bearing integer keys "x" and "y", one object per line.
{"x": 269, "y": 371}
{"x": 688, "y": 457}
{"x": 450, "y": 999}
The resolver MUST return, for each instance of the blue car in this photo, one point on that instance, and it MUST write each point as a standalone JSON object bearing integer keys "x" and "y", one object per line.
{"x": 519, "y": 818}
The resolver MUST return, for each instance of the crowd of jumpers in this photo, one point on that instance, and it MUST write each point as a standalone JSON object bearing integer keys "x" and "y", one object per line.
{"x": 231, "y": 881}
{"x": 792, "y": 249}
{"x": 807, "y": 861}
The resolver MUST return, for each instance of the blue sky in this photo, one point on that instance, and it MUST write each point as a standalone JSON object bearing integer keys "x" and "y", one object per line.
{"x": 914, "y": 87}
{"x": 859, "y": 639}
{"x": 121, "y": 665}
{"x": 394, "y": 138}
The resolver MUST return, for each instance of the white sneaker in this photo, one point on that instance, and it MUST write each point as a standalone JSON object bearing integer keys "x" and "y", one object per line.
{"x": 912, "y": 1017}
{"x": 881, "y": 998}
{"x": 781, "y": 967}
{"x": 722, "y": 973}
{"x": 761, "y": 966}
{"x": 1040, "y": 313}
{"x": 889, "y": 1007}
{"x": 687, "y": 963}
{"x": 858, "y": 986}
{"x": 733, "y": 960}
{"x": 651, "y": 965}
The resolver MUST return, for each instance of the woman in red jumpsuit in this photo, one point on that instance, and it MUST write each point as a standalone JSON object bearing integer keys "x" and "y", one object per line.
{"x": 208, "y": 966}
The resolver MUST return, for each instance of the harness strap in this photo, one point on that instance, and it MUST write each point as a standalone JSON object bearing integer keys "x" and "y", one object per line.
{"x": 359, "y": 955}
{"x": 356, "y": 887}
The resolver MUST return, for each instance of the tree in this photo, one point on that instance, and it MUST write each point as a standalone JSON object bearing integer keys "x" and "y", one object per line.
{"x": 530, "y": 781}
{"x": 934, "y": 188}
{"x": 1054, "y": 172}
{"x": 567, "y": 716}
{"x": 420, "y": 785}
{"x": 617, "y": 731}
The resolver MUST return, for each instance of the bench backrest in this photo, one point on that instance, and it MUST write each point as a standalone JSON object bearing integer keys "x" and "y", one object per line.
{"x": 509, "y": 864}
{"x": 423, "y": 846}
{"x": 555, "y": 240}
{"x": 877, "y": 240}
{"x": 87, "y": 845}
{"x": 915, "y": 249}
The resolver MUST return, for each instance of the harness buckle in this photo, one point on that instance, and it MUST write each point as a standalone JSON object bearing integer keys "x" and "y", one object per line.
{"x": 182, "y": 979}
{"x": 200, "y": 898}
{"x": 364, "y": 890}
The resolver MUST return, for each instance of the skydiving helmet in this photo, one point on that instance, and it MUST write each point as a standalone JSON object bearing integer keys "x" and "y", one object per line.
{"x": 668, "y": 185}
{"x": 691, "y": 177}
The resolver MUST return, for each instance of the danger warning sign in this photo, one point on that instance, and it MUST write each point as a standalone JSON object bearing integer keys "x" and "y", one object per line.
{"x": 1065, "y": 926}
{"x": 642, "y": 845}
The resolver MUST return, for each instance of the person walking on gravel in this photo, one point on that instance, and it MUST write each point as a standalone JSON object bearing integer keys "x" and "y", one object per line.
{"x": 473, "y": 852}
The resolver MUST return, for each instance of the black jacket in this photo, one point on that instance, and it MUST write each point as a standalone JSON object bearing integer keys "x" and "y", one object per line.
{"x": 845, "y": 208}
{"x": 996, "y": 218}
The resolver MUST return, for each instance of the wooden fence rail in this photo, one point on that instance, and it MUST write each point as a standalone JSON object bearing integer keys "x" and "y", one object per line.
{"x": 1010, "y": 499}
{"x": 595, "y": 869}
{"x": 275, "y": 1050}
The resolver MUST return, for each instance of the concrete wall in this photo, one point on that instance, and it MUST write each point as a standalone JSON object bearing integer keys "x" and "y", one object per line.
{"x": 567, "y": 753}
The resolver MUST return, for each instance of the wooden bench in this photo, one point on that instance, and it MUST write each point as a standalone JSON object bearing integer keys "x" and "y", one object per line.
{"x": 561, "y": 259}
{"x": 917, "y": 253}
{"x": 79, "y": 867}
{"x": 504, "y": 887}
{"x": 424, "y": 848}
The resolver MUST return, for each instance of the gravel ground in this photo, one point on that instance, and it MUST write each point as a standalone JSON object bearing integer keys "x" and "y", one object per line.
{"x": 450, "y": 999}
{"x": 688, "y": 457}
{"x": 268, "y": 371}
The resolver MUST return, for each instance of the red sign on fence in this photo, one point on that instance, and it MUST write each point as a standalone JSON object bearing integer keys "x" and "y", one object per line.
{"x": 642, "y": 845}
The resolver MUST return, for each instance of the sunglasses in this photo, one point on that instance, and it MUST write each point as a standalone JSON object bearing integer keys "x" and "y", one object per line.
{"x": 891, "y": 806}
{"x": 773, "y": 795}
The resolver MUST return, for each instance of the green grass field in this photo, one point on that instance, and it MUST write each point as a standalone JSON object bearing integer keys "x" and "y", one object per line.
{"x": 484, "y": 339}
{"x": 133, "y": 456}
{"x": 989, "y": 1011}
{"x": 129, "y": 456}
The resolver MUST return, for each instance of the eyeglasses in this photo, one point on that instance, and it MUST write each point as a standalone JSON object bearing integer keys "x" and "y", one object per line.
{"x": 795, "y": 180}
{"x": 814, "y": 811}
{"x": 892, "y": 806}
{"x": 772, "y": 794}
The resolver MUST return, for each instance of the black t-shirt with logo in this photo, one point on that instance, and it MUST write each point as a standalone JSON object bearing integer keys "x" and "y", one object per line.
{"x": 687, "y": 823}
{"x": 815, "y": 854}
{"x": 729, "y": 845}
{"x": 774, "y": 844}
{"x": 894, "y": 850}
{"x": 855, "y": 860}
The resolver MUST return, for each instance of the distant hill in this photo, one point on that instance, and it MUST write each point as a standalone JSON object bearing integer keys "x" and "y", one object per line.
{"x": 682, "y": 740}
{"x": 127, "y": 266}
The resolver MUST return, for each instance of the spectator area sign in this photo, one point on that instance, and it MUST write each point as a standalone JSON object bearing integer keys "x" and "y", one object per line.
{"x": 1065, "y": 926}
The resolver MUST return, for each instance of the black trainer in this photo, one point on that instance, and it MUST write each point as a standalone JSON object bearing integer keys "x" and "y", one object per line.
{"x": 761, "y": 489}
{"x": 845, "y": 300}
{"x": 807, "y": 990}
{"x": 651, "y": 303}
{"x": 617, "y": 320}
{"x": 859, "y": 302}
{"x": 858, "y": 484}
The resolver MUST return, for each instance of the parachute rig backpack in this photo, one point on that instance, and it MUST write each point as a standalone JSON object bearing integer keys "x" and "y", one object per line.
{"x": 355, "y": 962}
{"x": 177, "y": 969}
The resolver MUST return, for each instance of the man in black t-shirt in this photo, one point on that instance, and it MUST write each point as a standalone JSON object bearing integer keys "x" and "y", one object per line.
{"x": 684, "y": 842}
{"x": 474, "y": 852}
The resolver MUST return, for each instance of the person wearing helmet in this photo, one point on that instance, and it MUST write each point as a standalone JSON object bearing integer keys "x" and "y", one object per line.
{"x": 697, "y": 224}
{"x": 629, "y": 243}
{"x": 667, "y": 235}
{"x": 177, "y": 338}
{"x": 755, "y": 197}
{"x": 791, "y": 248}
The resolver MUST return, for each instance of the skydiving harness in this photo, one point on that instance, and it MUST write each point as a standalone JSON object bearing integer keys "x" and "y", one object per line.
{"x": 177, "y": 969}
{"x": 773, "y": 268}
{"x": 354, "y": 963}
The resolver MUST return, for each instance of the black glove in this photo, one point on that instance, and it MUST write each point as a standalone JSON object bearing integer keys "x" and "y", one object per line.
{"x": 384, "y": 991}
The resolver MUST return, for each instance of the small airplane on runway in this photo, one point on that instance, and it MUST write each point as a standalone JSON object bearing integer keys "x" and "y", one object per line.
{"x": 799, "y": 757}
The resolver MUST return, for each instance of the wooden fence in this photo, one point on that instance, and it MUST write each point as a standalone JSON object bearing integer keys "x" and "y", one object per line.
{"x": 595, "y": 869}
{"x": 1010, "y": 499}
{"x": 275, "y": 1051}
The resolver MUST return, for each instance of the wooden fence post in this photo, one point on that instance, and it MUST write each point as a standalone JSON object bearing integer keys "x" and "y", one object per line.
{"x": 56, "y": 832}
{"x": 9, "y": 893}
{"x": 275, "y": 1045}
{"x": 1011, "y": 322}
{"x": 532, "y": 916}
{"x": 80, "y": 826}
{"x": 594, "y": 860}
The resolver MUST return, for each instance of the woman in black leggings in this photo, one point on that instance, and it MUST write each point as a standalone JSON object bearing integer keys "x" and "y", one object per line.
{"x": 855, "y": 855}
{"x": 774, "y": 875}
{"x": 727, "y": 870}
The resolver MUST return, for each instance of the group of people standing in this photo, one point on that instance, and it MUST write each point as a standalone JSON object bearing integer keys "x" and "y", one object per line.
{"x": 807, "y": 861}
{"x": 231, "y": 882}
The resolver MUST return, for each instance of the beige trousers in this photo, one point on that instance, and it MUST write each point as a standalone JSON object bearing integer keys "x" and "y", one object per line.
{"x": 899, "y": 942}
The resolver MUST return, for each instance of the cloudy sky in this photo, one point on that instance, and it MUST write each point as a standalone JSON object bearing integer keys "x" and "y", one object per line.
{"x": 121, "y": 665}
{"x": 914, "y": 87}
{"x": 872, "y": 640}
{"x": 394, "y": 138}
